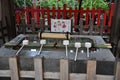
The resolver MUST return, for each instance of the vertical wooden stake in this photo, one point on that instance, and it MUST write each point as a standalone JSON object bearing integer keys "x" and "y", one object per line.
{"x": 23, "y": 25}
{"x": 91, "y": 70}
{"x": 101, "y": 27}
{"x": 91, "y": 26}
{"x": 13, "y": 63}
{"x": 117, "y": 75}
{"x": 81, "y": 26}
{"x": 38, "y": 68}
{"x": 64, "y": 69}
{"x": 33, "y": 25}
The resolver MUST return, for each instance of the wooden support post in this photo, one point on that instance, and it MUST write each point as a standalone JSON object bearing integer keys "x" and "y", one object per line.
{"x": 23, "y": 25}
{"x": 38, "y": 68}
{"x": 91, "y": 26}
{"x": 33, "y": 25}
{"x": 14, "y": 70}
{"x": 42, "y": 24}
{"x": 101, "y": 27}
{"x": 81, "y": 26}
{"x": 64, "y": 69}
{"x": 117, "y": 75}
{"x": 91, "y": 70}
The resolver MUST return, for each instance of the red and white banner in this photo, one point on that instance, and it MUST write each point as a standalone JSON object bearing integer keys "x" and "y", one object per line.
{"x": 60, "y": 25}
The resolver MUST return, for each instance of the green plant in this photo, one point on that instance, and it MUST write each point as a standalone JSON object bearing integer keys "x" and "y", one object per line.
{"x": 70, "y": 3}
{"x": 58, "y": 3}
{"x": 48, "y": 3}
{"x": 21, "y": 3}
{"x": 95, "y": 4}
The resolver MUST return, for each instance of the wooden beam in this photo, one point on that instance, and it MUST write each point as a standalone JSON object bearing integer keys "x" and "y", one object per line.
{"x": 91, "y": 70}
{"x": 38, "y": 66}
{"x": 27, "y": 74}
{"x": 23, "y": 74}
{"x": 55, "y": 75}
{"x": 4, "y": 73}
{"x": 52, "y": 75}
{"x": 14, "y": 70}
{"x": 117, "y": 75}
{"x": 64, "y": 69}
{"x": 105, "y": 77}
{"x": 74, "y": 76}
